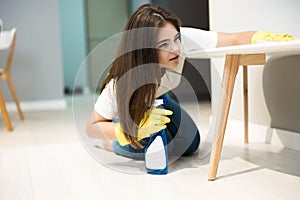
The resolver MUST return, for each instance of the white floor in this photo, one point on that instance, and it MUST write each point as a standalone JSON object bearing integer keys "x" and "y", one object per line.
{"x": 43, "y": 158}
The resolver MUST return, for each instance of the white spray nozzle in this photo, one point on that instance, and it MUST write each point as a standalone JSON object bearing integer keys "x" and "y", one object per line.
{"x": 159, "y": 102}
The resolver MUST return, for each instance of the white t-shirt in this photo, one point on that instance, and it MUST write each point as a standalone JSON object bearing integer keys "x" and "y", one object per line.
{"x": 191, "y": 39}
{"x": 196, "y": 39}
{"x": 106, "y": 104}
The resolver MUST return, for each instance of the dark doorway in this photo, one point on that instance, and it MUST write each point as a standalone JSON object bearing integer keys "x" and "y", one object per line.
{"x": 193, "y": 13}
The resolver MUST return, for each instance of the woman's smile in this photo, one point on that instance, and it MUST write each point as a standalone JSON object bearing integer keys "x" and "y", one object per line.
{"x": 173, "y": 61}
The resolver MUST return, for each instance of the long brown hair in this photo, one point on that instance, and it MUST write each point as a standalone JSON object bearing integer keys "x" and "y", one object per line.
{"x": 136, "y": 68}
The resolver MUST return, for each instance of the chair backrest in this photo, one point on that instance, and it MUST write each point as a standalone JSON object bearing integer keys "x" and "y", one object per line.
{"x": 7, "y": 41}
{"x": 7, "y": 38}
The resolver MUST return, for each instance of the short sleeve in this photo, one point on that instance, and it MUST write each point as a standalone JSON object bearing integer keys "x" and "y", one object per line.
{"x": 106, "y": 102}
{"x": 196, "y": 39}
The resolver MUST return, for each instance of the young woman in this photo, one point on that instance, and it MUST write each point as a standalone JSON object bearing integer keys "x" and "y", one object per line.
{"x": 153, "y": 41}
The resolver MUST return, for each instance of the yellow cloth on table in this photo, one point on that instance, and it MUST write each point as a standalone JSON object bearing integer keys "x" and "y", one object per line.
{"x": 267, "y": 36}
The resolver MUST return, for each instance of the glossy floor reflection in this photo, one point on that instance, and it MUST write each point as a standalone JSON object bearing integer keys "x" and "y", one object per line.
{"x": 44, "y": 159}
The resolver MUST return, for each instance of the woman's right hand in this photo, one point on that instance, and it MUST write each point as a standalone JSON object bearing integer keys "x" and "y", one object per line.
{"x": 153, "y": 122}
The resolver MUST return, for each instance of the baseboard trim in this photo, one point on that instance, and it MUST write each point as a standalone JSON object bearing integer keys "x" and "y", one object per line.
{"x": 262, "y": 133}
{"x": 43, "y": 105}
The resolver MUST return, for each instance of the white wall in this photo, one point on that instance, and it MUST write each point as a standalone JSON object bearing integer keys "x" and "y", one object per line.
{"x": 37, "y": 66}
{"x": 242, "y": 15}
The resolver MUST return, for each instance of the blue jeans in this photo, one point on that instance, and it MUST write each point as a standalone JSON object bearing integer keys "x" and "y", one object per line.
{"x": 182, "y": 135}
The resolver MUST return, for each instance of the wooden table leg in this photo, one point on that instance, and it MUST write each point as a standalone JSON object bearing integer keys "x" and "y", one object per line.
{"x": 228, "y": 80}
{"x": 4, "y": 113}
{"x": 245, "y": 77}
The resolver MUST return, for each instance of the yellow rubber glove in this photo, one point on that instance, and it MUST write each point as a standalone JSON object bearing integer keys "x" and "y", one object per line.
{"x": 267, "y": 36}
{"x": 154, "y": 123}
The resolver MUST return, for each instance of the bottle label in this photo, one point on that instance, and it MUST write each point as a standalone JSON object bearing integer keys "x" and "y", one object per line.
{"x": 155, "y": 158}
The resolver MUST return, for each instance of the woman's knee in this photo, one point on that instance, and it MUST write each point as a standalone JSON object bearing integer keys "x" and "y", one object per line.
{"x": 193, "y": 146}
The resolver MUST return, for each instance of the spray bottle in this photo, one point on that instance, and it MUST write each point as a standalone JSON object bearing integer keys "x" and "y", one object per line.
{"x": 156, "y": 153}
